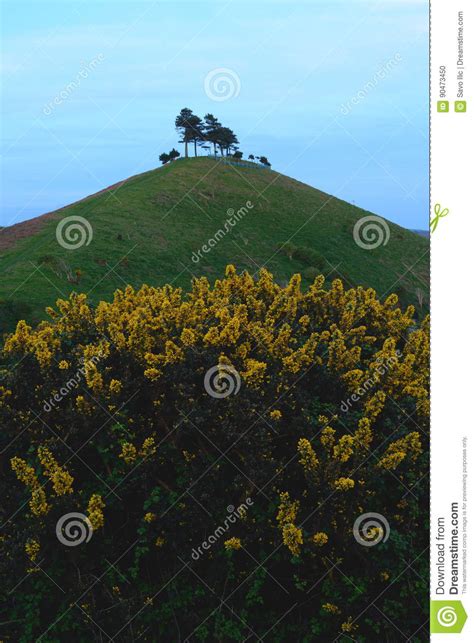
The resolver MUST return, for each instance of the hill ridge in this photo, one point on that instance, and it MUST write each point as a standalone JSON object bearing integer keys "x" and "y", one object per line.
{"x": 157, "y": 219}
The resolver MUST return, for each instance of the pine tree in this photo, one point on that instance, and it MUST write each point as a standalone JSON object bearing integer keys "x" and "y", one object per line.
{"x": 211, "y": 129}
{"x": 184, "y": 125}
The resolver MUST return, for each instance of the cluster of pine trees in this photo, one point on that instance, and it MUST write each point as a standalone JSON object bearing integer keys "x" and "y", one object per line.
{"x": 208, "y": 133}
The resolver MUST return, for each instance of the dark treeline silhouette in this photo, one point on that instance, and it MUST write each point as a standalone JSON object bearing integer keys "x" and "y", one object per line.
{"x": 208, "y": 133}
{"x": 205, "y": 132}
{"x": 171, "y": 156}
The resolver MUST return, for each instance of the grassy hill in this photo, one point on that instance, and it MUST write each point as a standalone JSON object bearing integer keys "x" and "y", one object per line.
{"x": 149, "y": 227}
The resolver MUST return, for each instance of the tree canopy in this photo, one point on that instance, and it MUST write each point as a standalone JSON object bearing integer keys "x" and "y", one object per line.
{"x": 171, "y": 156}
{"x": 208, "y": 133}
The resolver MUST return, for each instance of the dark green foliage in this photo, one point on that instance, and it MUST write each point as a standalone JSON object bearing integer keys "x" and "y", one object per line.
{"x": 310, "y": 257}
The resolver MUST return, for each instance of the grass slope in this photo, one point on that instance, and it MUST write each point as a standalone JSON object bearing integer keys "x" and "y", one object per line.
{"x": 146, "y": 230}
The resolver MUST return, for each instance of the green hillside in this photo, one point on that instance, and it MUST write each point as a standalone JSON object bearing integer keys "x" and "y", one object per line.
{"x": 148, "y": 228}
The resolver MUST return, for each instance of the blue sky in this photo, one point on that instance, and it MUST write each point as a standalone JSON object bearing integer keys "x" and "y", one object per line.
{"x": 334, "y": 93}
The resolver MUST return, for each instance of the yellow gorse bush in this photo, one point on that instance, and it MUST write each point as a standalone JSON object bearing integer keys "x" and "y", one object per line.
{"x": 308, "y": 458}
{"x": 94, "y": 511}
{"x": 232, "y": 543}
{"x": 61, "y": 480}
{"x": 146, "y": 428}
{"x": 240, "y": 314}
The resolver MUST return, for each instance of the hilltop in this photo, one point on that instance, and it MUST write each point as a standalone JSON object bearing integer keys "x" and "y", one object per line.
{"x": 153, "y": 228}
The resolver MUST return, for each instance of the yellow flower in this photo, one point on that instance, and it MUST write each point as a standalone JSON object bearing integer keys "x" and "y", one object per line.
{"x": 349, "y": 625}
{"x": 63, "y": 365}
{"x": 363, "y": 436}
{"x": 129, "y": 453}
{"x": 275, "y": 415}
{"x": 150, "y": 517}
{"x": 148, "y": 447}
{"x": 152, "y": 374}
{"x": 375, "y": 405}
{"x": 331, "y": 608}
{"x": 320, "y": 538}
{"x": 32, "y": 548}
{"x": 344, "y": 484}
{"x": 400, "y": 449}
{"x": 115, "y": 386}
{"x": 60, "y": 478}
{"x": 38, "y": 503}
{"x": 188, "y": 337}
{"x": 232, "y": 543}
{"x": 94, "y": 511}
{"x": 287, "y": 510}
{"x": 83, "y": 406}
{"x": 327, "y": 437}
{"x": 344, "y": 448}
{"x": 159, "y": 542}
{"x": 24, "y": 472}
{"x": 292, "y": 538}
{"x": 308, "y": 458}
{"x": 254, "y": 373}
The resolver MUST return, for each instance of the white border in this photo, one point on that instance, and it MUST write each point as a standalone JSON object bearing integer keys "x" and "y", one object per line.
{"x": 452, "y": 307}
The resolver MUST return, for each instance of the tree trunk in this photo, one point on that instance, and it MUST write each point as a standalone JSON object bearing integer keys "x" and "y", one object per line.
{"x": 195, "y": 148}
{"x": 186, "y": 149}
